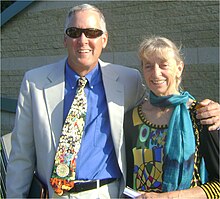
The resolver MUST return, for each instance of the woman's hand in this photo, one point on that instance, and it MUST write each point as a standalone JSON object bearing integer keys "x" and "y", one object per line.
{"x": 209, "y": 114}
{"x": 148, "y": 195}
{"x": 166, "y": 195}
{"x": 195, "y": 192}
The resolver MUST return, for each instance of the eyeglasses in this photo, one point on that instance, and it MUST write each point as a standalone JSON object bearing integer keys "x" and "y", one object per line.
{"x": 74, "y": 32}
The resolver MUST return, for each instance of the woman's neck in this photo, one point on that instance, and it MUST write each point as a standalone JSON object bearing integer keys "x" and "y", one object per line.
{"x": 158, "y": 115}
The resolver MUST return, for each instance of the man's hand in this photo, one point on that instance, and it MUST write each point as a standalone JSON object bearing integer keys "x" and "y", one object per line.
{"x": 209, "y": 114}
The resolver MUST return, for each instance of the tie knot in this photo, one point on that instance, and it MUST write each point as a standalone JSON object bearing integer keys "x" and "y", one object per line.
{"x": 82, "y": 81}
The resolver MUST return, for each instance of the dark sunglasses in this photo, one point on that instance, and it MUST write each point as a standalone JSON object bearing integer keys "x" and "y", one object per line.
{"x": 74, "y": 32}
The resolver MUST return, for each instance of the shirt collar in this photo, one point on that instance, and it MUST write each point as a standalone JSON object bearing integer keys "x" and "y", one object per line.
{"x": 93, "y": 77}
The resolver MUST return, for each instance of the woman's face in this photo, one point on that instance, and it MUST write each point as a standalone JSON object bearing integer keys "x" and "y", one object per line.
{"x": 161, "y": 72}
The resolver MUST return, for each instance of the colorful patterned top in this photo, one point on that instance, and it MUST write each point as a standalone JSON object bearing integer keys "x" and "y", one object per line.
{"x": 144, "y": 149}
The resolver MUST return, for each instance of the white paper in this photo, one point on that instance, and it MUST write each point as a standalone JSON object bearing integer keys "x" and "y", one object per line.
{"x": 131, "y": 192}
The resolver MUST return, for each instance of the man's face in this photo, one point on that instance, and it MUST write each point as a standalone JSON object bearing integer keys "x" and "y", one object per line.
{"x": 83, "y": 52}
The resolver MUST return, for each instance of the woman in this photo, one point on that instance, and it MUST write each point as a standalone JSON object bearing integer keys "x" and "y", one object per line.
{"x": 165, "y": 142}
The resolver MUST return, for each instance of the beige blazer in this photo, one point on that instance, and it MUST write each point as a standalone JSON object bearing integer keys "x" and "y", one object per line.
{"x": 39, "y": 118}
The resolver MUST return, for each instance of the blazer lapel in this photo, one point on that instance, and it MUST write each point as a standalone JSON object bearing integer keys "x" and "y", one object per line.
{"x": 115, "y": 99}
{"x": 54, "y": 95}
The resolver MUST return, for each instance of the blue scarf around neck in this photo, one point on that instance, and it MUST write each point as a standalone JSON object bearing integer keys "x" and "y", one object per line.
{"x": 179, "y": 149}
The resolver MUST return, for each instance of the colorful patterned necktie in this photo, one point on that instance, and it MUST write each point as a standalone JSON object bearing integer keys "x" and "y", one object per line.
{"x": 63, "y": 174}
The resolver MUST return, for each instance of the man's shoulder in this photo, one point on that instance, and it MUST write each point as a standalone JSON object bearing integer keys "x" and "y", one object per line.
{"x": 47, "y": 69}
{"x": 45, "y": 72}
{"x": 118, "y": 67}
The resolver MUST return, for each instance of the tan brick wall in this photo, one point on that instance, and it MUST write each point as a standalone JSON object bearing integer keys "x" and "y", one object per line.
{"x": 195, "y": 23}
{"x": 36, "y": 33}
{"x": 35, "y": 37}
{"x": 202, "y": 81}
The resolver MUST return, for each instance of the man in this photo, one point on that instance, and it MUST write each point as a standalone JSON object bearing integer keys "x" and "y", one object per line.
{"x": 45, "y": 99}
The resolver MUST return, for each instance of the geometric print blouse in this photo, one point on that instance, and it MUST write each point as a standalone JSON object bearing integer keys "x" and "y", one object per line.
{"x": 145, "y": 142}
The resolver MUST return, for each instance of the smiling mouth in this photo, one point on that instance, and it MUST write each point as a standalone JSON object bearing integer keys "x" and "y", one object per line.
{"x": 84, "y": 51}
{"x": 158, "y": 82}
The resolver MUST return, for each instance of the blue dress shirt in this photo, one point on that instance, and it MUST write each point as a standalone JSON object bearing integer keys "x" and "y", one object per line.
{"x": 96, "y": 158}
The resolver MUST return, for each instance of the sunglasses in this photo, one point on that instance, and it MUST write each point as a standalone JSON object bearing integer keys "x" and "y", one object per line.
{"x": 74, "y": 32}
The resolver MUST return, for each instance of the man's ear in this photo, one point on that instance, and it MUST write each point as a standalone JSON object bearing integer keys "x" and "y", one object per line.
{"x": 104, "y": 39}
{"x": 64, "y": 41}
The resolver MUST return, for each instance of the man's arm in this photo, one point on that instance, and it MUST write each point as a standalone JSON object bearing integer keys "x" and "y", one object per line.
{"x": 20, "y": 168}
{"x": 209, "y": 114}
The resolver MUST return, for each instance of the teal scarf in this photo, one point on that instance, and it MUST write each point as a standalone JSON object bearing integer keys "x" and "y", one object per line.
{"x": 180, "y": 142}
